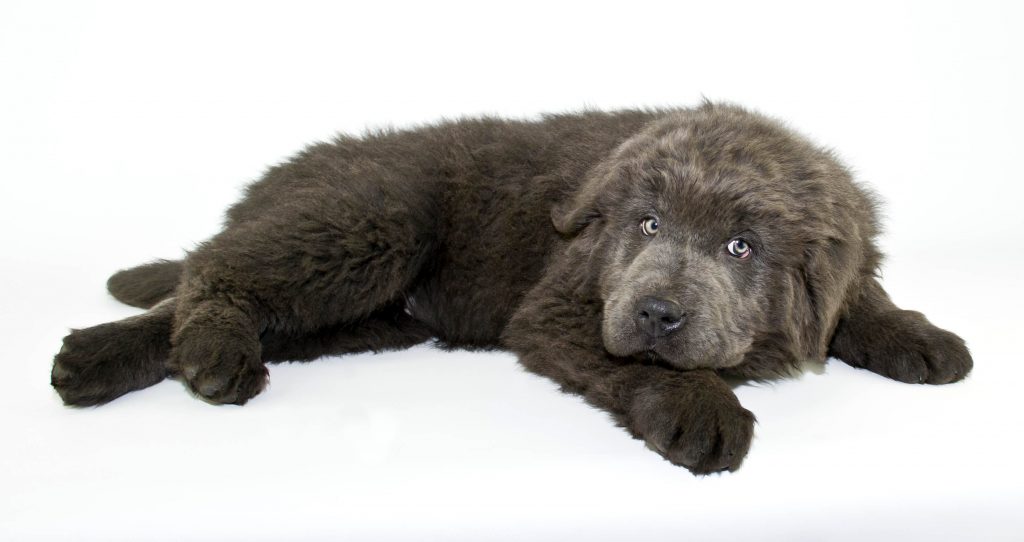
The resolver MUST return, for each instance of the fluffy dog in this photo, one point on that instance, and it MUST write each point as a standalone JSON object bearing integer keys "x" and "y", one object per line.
{"x": 636, "y": 258}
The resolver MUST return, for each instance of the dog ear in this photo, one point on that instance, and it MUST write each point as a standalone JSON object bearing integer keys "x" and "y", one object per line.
{"x": 584, "y": 206}
{"x": 572, "y": 216}
{"x": 823, "y": 283}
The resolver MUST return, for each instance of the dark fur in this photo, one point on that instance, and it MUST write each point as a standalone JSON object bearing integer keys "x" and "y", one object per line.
{"x": 445, "y": 232}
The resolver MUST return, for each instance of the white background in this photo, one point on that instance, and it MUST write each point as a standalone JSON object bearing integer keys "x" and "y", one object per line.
{"x": 127, "y": 128}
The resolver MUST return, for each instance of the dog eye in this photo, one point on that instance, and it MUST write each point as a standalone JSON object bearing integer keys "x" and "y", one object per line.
{"x": 739, "y": 248}
{"x": 649, "y": 226}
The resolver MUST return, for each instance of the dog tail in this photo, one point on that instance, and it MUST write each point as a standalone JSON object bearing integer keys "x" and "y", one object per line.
{"x": 147, "y": 284}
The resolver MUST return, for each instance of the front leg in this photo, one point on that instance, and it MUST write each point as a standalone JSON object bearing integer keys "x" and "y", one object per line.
{"x": 691, "y": 418}
{"x": 903, "y": 345}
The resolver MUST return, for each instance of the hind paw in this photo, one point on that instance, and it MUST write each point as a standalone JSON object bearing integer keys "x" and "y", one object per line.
{"x": 220, "y": 365}
{"x": 98, "y": 364}
{"x": 229, "y": 379}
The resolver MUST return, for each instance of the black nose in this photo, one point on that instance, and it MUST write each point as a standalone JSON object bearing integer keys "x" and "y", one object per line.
{"x": 658, "y": 317}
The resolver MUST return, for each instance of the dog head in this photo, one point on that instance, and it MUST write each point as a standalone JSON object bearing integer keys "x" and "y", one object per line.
{"x": 717, "y": 229}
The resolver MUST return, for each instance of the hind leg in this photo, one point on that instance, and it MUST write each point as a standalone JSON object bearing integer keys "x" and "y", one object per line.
{"x": 903, "y": 345}
{"x": 388, "y": 329}
{"x": 321, "y": 260}
{"x": 98, "y": 364}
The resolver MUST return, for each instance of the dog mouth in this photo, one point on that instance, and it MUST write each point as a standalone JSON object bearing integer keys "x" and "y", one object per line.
{"x": 682, "y": 349}
{"x": 650, "y": 346}
{"x": 650, "y": 355}
{"x": 627, "y": 341}
{"x": 682, "y": 355}
{"x": 653, "y": 351}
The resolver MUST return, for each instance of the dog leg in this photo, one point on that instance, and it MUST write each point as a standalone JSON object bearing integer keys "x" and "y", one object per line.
{"x": 903, "y": 345}
{"x": 310, "y": 264}
{"x": 387, "y": 329}
{"x": 692, "y": 418}
{"x": 98, "y": 364}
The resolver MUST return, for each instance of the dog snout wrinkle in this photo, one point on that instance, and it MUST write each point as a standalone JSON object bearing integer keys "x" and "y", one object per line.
{"x": 659, "y": 317}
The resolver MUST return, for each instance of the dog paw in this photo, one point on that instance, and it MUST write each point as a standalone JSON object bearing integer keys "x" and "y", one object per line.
{"x": 704, "y": 430}
{"x": 219, "y": 365}
{"x": 98, "y": 364}
{"x": 904, "y": 346}
{"x": 81, "y": 373}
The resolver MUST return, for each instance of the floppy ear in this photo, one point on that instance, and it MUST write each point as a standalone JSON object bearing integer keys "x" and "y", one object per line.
{"x": 583, "y": 207}
{"x": 570, "y": 217}
{"x": 830, "y": 267}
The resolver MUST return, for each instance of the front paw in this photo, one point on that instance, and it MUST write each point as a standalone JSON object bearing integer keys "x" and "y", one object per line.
{"x": 703, "y": 428}
{"x": 905, "y": 346}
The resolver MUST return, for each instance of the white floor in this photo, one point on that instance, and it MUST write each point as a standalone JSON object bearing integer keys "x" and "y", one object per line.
{"x": 463, "y": 445}
{"x": 130, "y": 129}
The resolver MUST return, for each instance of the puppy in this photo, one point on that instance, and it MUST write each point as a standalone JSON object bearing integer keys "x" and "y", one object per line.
{"x": 635, "y": 258}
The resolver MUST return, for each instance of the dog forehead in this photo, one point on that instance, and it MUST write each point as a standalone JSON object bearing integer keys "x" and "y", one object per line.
{"x": 736, "y": 167}
{"x": 719, "y": 168}
{"x": 723, "y": 142}
{"x": 715, "y": 195}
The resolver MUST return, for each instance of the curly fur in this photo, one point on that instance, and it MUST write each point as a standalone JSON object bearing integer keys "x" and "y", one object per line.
{"x": 524, "y": 235}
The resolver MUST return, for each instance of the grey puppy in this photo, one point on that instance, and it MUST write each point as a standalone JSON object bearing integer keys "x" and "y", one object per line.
{"x": 637, "y": 258}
